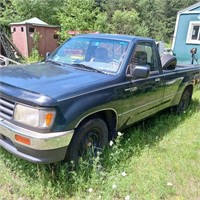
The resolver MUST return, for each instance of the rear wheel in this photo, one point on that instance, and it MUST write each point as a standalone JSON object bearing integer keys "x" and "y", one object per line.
{"x": 89, "y": 138}
{"x": 185, "y": 101}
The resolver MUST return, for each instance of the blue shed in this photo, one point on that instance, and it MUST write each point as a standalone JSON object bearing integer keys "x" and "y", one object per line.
{"x": 187, "y": 34}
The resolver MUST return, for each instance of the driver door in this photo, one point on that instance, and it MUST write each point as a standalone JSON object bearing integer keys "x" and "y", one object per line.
{"x": 143, "y": 95}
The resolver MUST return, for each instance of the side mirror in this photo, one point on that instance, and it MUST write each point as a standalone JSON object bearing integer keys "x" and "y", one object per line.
{"x": 47, "y": 55}
{"x": 140, "y": 72}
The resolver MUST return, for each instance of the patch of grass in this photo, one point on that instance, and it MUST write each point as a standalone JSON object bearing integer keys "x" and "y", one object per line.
{"x": 155, "y": 159}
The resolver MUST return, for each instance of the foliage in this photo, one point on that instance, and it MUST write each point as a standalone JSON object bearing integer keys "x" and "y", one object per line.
{"x": 45, "y": 10}
{"x": 155, "y": 18}
{"x": 147, "y": 10}
{"x": 77, "y": 15}
{"x": 35, "y": 56}
{"x": 152, "y": 18}
{"x": 19, "y": 10}
{"x": 166, "y": 15}
{"x": 6, "y": 12}
{"x": 127, "y": 23}
{"x": 101, "y": 23}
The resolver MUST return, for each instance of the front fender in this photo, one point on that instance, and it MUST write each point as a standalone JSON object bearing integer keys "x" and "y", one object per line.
{"x": 76, "y": 109}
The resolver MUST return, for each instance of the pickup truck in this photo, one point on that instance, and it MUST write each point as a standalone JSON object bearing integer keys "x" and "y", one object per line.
{"x": 90, "y": 87}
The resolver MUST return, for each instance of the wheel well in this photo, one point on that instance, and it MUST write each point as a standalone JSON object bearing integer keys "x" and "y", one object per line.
{"x": 188, "y": 87}
{"x": 110, "y": 118}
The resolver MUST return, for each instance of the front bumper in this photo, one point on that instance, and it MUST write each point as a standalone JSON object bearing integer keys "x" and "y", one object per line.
{"x": 43, "y": 147}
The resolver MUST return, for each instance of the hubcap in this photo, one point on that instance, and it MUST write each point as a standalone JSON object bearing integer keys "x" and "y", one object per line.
{"x": 90, "y": 145}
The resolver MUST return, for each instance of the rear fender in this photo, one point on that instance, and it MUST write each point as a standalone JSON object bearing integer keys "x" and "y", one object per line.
{"x": 178, "y": 95}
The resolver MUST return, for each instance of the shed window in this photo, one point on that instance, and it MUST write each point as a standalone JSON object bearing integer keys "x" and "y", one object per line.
{"x": 31, "y": 30}
{"x": 22, "y": 29}
{"x": 193, "y": 36}
{"x": 55, "y": 36}
{"x": 14, "y": 29}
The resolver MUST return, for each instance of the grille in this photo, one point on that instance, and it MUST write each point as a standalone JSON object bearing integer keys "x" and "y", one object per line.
{"x": 6, "y": 108}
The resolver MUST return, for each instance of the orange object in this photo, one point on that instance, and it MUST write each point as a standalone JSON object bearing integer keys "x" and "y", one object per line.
{"x": 22, "y": 139}
{"x": 49, "y": 118}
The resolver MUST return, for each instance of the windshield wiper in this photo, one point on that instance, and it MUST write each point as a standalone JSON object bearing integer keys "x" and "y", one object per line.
{"x": 88, "y": 67}
{"x": 54, "y": 62}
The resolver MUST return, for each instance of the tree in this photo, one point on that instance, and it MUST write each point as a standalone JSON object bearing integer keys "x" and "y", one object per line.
{"x": 77, "y": 15}
{"x": 101, "y": 23}
{"x": 152, "y": 18}
{"x": 127, "y": 22}
{"x": 45, "y": 10}
{"x": 122, "y": 17}
{"x": 167, "y": 14}
{"x": 18, "y": 10}
{"x": 148, "y": 15}
{"x": 110, "y": 6}
{"x": 7, "y": 12}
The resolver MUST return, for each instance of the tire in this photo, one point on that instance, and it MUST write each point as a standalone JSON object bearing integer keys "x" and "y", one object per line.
{"x": 168, "y": 62}
{"x": 184, "y": 102}
{"x": 89, "y": 138}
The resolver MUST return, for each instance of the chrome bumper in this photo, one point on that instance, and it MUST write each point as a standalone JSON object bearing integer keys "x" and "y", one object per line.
{"x": 42, "y": 148}
{"x": 38, "y": 141}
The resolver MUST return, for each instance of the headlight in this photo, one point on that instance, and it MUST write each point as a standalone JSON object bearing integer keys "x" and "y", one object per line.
{"x": 39, "y": 118}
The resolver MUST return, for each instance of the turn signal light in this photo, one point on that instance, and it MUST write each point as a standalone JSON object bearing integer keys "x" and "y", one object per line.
{"x": 49, "y": 118}
{"x": 22, "y": 139}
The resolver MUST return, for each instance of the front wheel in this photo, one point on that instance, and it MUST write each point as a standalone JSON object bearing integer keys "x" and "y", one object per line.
{"x": 89, "y": 138}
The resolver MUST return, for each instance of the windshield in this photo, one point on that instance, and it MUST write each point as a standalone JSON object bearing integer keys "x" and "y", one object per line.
{"x": 101, "y": 54}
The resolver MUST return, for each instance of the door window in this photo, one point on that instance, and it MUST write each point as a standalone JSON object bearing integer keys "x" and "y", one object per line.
{"x": 143, "y": 55}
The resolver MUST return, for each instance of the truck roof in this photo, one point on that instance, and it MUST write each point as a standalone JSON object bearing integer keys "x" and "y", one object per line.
{"x": 114, "y": 36}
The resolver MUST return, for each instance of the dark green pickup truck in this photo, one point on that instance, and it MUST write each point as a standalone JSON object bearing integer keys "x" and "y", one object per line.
{"x": 88, "y": 89}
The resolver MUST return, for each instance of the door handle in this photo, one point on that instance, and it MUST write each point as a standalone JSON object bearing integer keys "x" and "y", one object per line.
{"x": 133, "y": 89}
{"x": 157, "y": 80}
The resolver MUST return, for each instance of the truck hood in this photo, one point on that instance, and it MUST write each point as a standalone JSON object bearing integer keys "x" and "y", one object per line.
{"x": 53, "y": 80}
